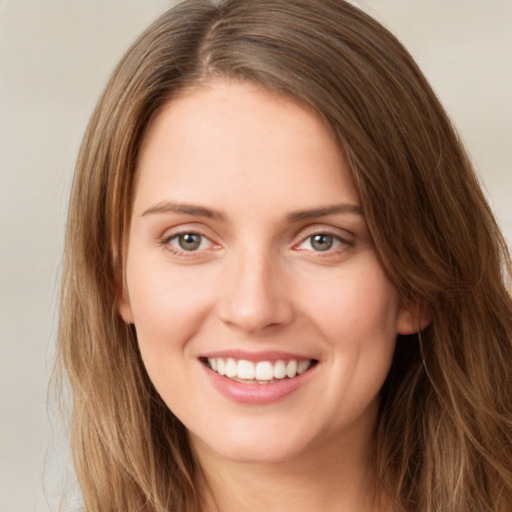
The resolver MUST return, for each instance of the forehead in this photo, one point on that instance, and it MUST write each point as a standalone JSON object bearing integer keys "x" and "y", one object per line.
{"x": 229, "y": 141}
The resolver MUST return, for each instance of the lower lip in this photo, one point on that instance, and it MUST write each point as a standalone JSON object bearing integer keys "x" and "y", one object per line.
{"x": 256, "y": 394}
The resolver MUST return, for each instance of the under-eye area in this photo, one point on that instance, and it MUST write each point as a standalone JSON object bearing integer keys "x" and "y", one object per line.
{"x": 261, "y": 372}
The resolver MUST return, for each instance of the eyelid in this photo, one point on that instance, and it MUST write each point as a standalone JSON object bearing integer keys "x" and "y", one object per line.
{"x": 174, "y": 236}
{"x": 184, "y": 228}
{"x": 343, "y": 235}
{"x": 192, "y": 228}
{"x": 337, "y": 243}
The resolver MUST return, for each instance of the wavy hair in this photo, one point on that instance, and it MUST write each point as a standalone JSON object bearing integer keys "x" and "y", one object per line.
{"x": 444, "y": 432}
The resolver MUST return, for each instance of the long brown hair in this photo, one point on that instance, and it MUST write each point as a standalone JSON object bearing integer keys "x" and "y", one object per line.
{"x": 444, "y": 435}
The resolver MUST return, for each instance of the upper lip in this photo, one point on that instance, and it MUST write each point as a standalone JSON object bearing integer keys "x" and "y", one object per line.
{"x": 267, "y": 355}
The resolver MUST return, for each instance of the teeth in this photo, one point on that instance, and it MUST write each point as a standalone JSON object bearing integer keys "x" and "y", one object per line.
{"x": 264, "y": 370}
{"x": 261, "y": 372}
{"x": 291, "y": 369}
{"x": 279, "y": 370}
{"x": 231, "y": 370}
{"x": 303, "y": 366}
{"x": 246, "y": 370}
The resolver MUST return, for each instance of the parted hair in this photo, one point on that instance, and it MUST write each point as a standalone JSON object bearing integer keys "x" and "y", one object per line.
{"x": 444, "y": 431}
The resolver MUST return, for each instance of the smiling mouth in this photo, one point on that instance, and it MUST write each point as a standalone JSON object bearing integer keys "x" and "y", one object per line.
{"x": 261, "y": 372}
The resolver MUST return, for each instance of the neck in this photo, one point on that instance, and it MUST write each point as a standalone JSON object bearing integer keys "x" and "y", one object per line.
{"x": 332, "y": 478}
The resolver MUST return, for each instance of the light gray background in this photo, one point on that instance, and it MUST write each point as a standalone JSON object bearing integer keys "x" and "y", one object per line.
{"x": 55, "y": 56}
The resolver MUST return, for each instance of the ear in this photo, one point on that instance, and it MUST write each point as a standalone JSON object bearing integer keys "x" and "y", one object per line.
{"x": 124, "y": 307}
{"x": 413, "y": 317}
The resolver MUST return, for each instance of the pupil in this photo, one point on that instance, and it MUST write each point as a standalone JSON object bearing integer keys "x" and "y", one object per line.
{"x": 189, "y": 241}
{"x": 322, "y": 242}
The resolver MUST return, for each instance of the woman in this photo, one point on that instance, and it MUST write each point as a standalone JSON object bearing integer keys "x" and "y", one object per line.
{"x": 283, "y": 286}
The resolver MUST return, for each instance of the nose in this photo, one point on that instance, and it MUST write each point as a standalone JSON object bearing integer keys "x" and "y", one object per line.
{"x": 255, "y": 298}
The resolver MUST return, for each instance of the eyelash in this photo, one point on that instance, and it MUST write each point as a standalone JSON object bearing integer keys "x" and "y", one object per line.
{"x": 340, "y": 243}
{"x": 177, "y": 251}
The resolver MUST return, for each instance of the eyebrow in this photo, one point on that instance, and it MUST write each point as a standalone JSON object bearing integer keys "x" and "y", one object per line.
{"x": 297, "y": 216}
{"x": 189, "y": 209}
{"x": 323, "y": 211}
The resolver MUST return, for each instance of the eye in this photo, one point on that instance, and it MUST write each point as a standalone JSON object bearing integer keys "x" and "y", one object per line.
{"x": 189, "y": 242}
{"x": 320, "y": 242}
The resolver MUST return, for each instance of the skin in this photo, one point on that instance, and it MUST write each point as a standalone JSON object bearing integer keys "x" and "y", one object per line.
{"x": 248, "y": 161}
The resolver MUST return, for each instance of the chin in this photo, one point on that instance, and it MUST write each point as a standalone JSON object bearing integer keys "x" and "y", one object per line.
{"x": 253, "y": 444}
{"x": 258, "y": 454}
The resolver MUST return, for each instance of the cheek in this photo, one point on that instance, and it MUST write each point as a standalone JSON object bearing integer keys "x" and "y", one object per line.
{"x": 356, "y": 315}
{"x": 167, "y": 307}
{"x": 358, "y": 303}
{"x": 163, "y": 295}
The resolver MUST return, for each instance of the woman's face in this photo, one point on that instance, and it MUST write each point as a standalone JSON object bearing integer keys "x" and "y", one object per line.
{"x": 263, "y": 315}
